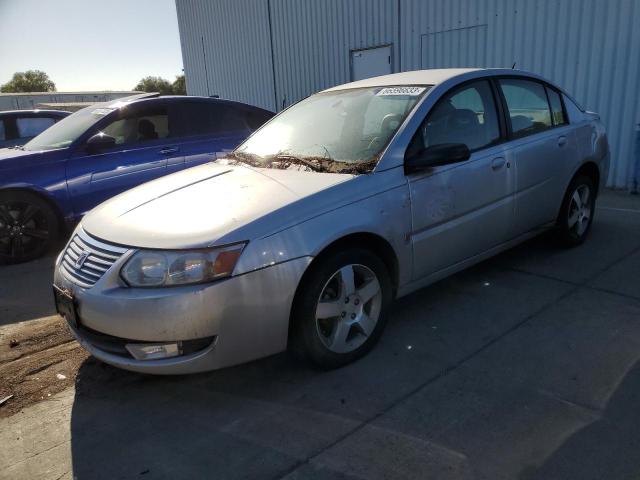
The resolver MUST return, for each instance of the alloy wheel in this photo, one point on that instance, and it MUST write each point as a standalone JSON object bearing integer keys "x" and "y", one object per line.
{"x": 348, "y": 308}
{"x": 579, "y": 214}
{"x": 23, "y": 229}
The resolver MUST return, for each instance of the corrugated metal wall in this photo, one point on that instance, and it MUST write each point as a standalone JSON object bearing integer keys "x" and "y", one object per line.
{"x": 226, "y": 49}
{"x": 590, "y": 47}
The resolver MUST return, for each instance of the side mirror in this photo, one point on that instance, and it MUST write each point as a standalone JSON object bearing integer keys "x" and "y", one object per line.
{"x": 100, "y": 142}
{"x": 436, "y": 155}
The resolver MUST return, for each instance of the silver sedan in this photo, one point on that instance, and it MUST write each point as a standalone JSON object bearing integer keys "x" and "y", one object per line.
{"x": 304, "y": 235}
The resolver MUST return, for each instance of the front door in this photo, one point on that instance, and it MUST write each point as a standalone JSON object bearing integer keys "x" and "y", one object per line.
{"x": 464, "y": 209}
{"x": 145, "y": 147}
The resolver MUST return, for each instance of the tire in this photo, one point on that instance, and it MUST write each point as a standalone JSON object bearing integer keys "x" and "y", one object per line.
{"x": 354, "y": 312}
{"x": 576, "y": 213}
{"x": 28, "y": 227}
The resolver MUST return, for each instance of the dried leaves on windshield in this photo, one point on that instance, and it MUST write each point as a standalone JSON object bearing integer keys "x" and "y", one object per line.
{"x": 285, "y": 161}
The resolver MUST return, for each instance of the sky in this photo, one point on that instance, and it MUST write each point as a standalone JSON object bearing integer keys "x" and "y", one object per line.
{"x": 89, "y": 44}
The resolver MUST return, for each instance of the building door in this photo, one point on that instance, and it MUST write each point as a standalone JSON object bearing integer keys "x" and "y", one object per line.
{"x": 370, "y": 62}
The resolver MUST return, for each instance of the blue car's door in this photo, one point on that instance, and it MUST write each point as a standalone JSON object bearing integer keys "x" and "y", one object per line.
{"x": 145, "y": 148}
{"x": 209, "y": 129}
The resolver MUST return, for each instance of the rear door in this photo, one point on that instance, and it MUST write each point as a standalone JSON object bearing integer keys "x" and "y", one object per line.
{"x": 541, "y": 143}
{"x": 145, "y": 146}
{"x": 463, "y": 209}
{"x": 209, "y": 129}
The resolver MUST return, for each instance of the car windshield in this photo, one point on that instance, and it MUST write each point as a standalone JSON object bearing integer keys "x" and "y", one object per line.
{"x": 342, "y": 131}
{"x": 67, "y": 130}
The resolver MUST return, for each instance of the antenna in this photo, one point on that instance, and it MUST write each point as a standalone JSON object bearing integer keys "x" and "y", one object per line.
{"x": 513, "y": 66}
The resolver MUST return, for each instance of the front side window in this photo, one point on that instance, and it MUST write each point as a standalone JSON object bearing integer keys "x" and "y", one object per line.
{"x": 32, "y": 126}
{"x": 337, "y": 131}
{"x": 528, "y": 106}
{"x": 559, "y": 118}
{"x": 141, "y": 125}
{"x": 467, "y": 115}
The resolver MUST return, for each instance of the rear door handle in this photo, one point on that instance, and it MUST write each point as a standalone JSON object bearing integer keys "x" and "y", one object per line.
{"x": 498, "y": 163}
{"x": 169, "y": 150}
{"x": 562, "y": 141}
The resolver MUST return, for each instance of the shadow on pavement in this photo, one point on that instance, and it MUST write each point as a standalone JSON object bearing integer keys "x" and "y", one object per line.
{"x": 607, "y": 448}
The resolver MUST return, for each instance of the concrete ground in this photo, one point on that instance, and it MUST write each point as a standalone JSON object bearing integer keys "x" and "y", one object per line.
{"x": 524, "y": 367}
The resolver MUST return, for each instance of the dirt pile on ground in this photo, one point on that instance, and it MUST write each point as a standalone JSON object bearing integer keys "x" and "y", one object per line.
{"x": 38, "y": 359}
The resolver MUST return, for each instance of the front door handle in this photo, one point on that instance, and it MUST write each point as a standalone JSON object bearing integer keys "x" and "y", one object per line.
{"x": 562, "y": 141}
{"x": 169, "y": 150}
{"x": 497, "y": 163}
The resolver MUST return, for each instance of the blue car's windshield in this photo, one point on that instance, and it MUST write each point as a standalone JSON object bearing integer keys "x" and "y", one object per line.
{"x": 336, "y": 131}
{"x": 67, "y": 130}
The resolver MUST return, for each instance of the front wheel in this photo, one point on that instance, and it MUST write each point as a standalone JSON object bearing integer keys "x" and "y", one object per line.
{"x": 340, "y": 309}
{"x": 28, "y": 227}
{"x": 576, "y": 213}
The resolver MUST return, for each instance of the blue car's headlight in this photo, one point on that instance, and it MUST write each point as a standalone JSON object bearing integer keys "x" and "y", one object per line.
{"x": 154, "y": 268}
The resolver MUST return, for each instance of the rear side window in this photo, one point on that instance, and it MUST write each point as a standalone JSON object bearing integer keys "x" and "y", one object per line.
{"x": 557, "y": 112}
{"x": 230, "y": 120}
{"x": 208, "y": 118}
{"x": 467, "y": 115}
{"x": 256, "y": 118}
{"x": 32, "y": 126}
{"x": 3, "y": 135}
{"x": 528, "y": 106}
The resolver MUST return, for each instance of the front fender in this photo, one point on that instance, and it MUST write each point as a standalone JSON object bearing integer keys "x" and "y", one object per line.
{"x": 386, "y": 214}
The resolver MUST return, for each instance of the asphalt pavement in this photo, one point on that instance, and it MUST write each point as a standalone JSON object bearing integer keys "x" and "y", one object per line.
{"x": 523, "y": 367}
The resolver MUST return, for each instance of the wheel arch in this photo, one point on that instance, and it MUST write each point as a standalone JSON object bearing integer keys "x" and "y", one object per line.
{"x": 591, "y": 170}
{"x": 367, "y": 240}
{"x": 43, "y": 195}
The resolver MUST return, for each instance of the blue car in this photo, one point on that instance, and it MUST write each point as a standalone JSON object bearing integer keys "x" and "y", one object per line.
{"x": 17, "y": 127}
{"x": 49, "y": 183}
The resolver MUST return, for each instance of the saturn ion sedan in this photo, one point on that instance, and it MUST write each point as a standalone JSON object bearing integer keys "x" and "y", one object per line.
{"x": 303, "y": 236}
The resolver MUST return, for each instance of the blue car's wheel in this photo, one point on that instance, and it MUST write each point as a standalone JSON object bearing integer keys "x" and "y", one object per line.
{"x": 28, "y": 227}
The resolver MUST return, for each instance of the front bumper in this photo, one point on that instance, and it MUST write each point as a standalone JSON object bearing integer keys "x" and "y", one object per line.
{"x": 248, "y": 315}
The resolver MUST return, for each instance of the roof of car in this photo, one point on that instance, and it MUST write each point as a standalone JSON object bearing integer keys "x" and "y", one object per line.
{"x": 415, "y": 77}
{"x": 157, "y": 97}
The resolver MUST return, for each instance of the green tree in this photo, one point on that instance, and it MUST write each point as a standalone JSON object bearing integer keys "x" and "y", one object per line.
{"x": 29, "y": 81}
{"x": 154, "y": 84}
{"x": 179, "y": 86}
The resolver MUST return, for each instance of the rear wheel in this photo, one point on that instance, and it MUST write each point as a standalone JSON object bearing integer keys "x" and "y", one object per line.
{"x": 28, "y": 227}
{"x": 340, "y": 309}
{"x": 576, "y": 213}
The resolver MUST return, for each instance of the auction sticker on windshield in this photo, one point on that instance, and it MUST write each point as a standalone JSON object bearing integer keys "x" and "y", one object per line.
{"x": 412, "y": 91}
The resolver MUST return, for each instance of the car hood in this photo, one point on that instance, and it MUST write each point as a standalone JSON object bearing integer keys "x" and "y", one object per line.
{"x": 201, "y": 206}
{"x": 8, "y": 154}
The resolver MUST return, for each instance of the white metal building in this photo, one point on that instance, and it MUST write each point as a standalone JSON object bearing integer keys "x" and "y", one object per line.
{"x": 272, "y": 53}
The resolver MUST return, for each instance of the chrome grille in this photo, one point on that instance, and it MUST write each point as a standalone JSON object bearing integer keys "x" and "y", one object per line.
{"x": 98, "y": 258}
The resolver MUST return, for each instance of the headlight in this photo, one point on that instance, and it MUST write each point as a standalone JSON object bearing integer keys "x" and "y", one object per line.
{"x": 153, "y": 268}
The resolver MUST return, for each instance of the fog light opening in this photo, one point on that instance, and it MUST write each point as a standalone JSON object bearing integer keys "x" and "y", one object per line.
{"x": 146, "y": 351}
